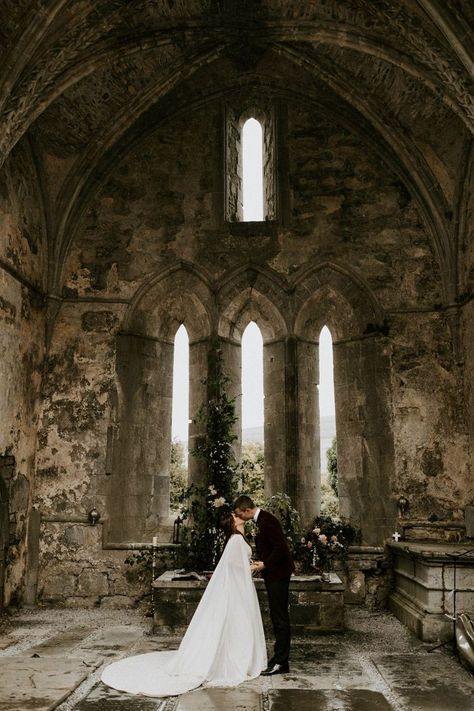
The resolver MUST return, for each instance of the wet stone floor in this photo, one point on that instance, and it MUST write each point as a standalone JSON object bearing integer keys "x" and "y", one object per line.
{"x": 52, "y": 659}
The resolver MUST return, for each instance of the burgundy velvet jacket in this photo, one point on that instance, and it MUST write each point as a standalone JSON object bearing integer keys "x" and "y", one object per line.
{"x": 272, "y": 548}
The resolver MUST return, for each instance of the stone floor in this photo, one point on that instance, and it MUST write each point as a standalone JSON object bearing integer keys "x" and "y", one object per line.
{"x": 51, "y": 659}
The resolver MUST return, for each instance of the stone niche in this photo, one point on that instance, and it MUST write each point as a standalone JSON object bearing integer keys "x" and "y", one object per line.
{"x": 432, "y": 583}
{"x": 316, "y": 607}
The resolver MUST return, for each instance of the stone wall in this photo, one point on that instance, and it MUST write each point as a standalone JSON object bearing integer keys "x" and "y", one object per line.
{"x": 155, "y": 251}
{"x": 22, "y": 319}
{"x": 467, "y": 295}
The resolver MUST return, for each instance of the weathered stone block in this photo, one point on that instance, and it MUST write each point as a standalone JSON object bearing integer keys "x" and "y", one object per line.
{"x": 170, "y": 616}
{"x": 59, "y": 586}
{"x": 92, "y": 583}
{"x": 306, "y": 615}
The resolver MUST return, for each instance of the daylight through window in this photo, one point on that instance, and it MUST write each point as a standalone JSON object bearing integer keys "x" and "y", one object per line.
{"x": 252, "y": 171}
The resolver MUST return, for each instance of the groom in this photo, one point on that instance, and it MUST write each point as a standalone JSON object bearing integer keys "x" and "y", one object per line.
{"x": 276, "y": 565}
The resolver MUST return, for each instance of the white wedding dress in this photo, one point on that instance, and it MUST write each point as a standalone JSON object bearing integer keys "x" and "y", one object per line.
{"x": 224, "y": 644}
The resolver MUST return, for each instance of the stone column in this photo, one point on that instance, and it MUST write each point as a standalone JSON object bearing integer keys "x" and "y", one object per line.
{"x": 4, "y": 536}
{"x": 309, "y": 458}
{"x": 275, "y": 420}
{"x": 292, "y": 418}
{"x": 198, "y": 397}
{"x": 138, "y": 487}
{"x": 202, "y": 361}
{"x": 232, "y": 366}
{"x": 364, "y": 438}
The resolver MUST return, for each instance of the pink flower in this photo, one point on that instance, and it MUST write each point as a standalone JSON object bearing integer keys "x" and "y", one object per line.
{"x": 310, "y": 544}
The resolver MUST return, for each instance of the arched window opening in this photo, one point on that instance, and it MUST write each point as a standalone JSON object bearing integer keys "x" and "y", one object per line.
{"x": 180, "y": 416}
{"x": 252, "y": 171}
{"x": 252, "y": 413}
{"x": 327, "y": 424}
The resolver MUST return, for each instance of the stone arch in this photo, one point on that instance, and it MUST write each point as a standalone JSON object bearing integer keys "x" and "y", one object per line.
{"x": 328, "y": 295}
{"x": 179, "y": 295}
{"x": 252, "y": 294}
{"x": 256, "y": 294}
{"x": 138, "y": 493}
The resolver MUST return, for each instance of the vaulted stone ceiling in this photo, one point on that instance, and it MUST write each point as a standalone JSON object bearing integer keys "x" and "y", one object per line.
{"x": 82, "y": 79}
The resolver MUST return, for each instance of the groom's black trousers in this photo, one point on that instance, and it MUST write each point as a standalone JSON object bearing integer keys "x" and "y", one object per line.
{"x": 278, "y": 601}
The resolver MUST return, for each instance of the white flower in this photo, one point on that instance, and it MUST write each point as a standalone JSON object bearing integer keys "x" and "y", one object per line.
{"x": 220, "y": 501}
{"x": 212, "y": 491}
{"x": 317, "y": 531}
{"x": 323, "y": 538}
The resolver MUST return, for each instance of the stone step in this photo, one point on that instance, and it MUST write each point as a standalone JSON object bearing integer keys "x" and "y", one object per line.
{"x": 38, "y": 684}
{"x": 63, "y": 642}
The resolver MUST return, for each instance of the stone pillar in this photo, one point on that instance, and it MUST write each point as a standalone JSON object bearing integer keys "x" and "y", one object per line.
{"x": 232, "y": 366}
{"x": 275, "y": 420}
{"x": 31, "y": 578}
{"x": 202, "y": 361}
{"x": 309, "y": 459}
{"x": 138, "y": 488}
{"x": 468, "y": 349}
{"x": 4, "y": 536}
{"x": 198, "y": 397}
{"x": 292, "y": 417}
{"x": 364, "y": 438}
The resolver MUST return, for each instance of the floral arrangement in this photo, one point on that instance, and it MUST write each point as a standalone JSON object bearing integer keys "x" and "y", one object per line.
{"x": 327, "y": 539}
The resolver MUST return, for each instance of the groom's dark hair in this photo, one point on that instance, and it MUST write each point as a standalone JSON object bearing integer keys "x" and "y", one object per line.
{"x": 243, "y": 503}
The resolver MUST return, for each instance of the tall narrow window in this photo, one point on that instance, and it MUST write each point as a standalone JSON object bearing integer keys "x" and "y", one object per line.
{"x": 180, "y": 416}
{"x": 327, "y": 420}
{"x": 252, "y": 412}
{"x": 252, "y": 171}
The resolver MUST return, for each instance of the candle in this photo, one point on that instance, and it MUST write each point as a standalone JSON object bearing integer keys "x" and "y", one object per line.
{"x": 155, "y": 541}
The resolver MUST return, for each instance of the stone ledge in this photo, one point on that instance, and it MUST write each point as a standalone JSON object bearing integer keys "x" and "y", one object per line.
{"x": 316, "y": 607}
{"x": 462, "y": 553}
{"x": 432, "y": 582}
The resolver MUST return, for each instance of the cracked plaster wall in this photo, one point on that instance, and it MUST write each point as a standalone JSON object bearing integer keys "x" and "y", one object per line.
{"x": 21, "y": 349}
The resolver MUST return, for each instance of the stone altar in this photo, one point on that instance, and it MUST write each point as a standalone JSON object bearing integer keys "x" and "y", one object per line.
{"x": 316, "y": 607}
{"x": 432, "y": 581}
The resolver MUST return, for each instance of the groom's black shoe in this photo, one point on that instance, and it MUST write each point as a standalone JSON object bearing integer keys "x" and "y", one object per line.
{"x": 276, "y": 669}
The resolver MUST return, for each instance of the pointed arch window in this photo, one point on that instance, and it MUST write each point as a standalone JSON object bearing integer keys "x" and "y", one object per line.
{"x": 252, "y": 171}
{"x": 250, "y": 165}
{"x": 252, "y": 454}
{"x": 327, "y": 419}
{"x": 252, "y": 383}
{"x": 179, "y": 415}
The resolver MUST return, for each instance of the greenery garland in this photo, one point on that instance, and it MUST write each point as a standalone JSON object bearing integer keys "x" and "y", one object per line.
{"x": 202, "y": 505}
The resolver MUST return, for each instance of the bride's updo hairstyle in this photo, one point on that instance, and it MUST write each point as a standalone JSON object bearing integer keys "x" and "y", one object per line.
{"x": 227, "y": 524}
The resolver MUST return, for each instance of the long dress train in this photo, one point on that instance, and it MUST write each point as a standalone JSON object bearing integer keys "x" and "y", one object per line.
{"x": 224, "y": 644}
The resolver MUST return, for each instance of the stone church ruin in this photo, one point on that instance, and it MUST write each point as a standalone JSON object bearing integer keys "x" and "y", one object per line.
{"x": 121, "y": 218}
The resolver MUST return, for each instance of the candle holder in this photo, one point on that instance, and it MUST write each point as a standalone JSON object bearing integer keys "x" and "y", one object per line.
{"x": 402, "y": 505}
{"x": 93, "y": 516}
{"x": 176, "y": 529}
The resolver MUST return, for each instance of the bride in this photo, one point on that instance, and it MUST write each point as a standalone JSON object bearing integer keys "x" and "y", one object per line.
{"x": 224, "y": 644}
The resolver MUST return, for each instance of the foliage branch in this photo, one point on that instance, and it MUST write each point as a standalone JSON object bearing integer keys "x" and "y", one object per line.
{"x": 203, "y": 505}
